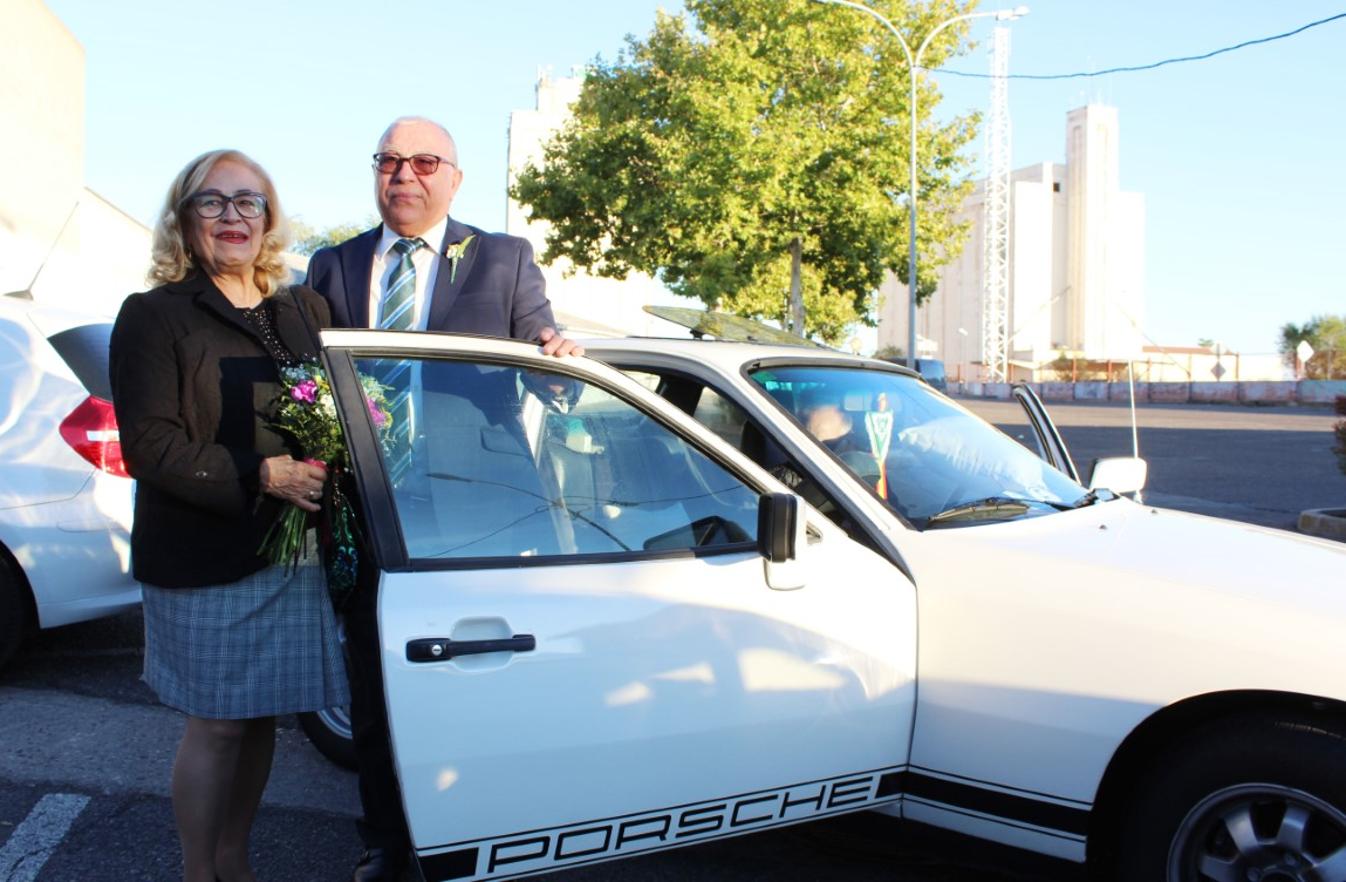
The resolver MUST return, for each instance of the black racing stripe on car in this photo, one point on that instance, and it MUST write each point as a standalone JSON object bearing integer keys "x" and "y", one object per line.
{"x": 946, "y": 775}
{"x": 1026, "y": 809}
{"x": 1030, "y": 828}
{"x": 890, "y": 784}
{"x": 450, "y": 865}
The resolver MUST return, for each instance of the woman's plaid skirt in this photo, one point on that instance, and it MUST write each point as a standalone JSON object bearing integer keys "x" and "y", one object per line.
{"x": 265, "y": 645}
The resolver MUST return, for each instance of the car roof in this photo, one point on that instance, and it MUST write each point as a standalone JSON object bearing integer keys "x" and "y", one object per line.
{"x": 727, "y": 356}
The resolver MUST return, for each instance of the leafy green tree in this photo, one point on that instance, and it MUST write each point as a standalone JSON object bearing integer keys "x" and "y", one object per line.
{"x": 753, "y": 149}
{"x": 307, "y": 240}
{"x": 1327, "y": 335}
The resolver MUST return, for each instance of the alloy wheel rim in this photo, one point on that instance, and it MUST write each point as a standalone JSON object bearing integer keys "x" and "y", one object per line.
{"x": 338, "y": 719}
{"x": 1260, "y": 833}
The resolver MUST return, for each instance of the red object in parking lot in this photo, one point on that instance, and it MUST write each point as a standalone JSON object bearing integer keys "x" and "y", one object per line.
{"x": 91, "y": 429}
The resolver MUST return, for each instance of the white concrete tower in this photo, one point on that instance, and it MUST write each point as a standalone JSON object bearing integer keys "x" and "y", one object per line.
{"x": 1102, "y": 298}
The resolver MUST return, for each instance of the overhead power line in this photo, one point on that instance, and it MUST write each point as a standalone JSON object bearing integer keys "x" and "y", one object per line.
{"x": 1139, "y": 67}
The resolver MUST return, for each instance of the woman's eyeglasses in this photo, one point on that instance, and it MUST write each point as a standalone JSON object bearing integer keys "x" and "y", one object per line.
{"x": 422, "y": 163}
{"x": 210, "y": 205}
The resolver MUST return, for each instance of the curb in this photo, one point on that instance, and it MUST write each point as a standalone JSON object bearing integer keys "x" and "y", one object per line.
{"x": 1327, "y": 523}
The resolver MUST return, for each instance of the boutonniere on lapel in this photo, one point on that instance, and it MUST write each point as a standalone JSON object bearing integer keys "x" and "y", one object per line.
{"x": 455, "y": 253}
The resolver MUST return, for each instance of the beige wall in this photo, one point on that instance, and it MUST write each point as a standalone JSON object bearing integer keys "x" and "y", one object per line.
{"x": 77, "y": 250}
{"x": 42, "y": 150}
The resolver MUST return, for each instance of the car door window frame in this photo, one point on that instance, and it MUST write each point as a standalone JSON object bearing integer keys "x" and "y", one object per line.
{"x": 376, "y": 493}
{"x": 1052, "y": 447}
{"x": 863, "y": 532}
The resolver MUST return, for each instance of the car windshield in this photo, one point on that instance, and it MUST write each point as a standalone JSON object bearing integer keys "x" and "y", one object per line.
{"x": 931, "y": 460}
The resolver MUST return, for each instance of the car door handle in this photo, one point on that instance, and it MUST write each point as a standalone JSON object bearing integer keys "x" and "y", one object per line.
{"x": 432, "y": 649}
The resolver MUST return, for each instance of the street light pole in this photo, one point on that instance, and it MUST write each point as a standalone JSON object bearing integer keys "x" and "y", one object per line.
{"x": 913, "y": 62}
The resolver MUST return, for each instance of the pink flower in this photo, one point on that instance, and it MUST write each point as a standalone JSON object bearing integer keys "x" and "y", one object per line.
{"x": 375, "y": 414}
{"x": 305, "y": 392}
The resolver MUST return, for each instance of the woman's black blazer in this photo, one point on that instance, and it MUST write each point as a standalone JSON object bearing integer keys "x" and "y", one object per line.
{"x": 194, "y": 388}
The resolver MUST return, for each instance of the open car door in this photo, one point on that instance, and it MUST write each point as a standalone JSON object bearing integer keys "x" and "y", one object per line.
{"x": 1047, "y": 439}
{"x": 587, "y": 651}
{"x": 1120, "y": 474}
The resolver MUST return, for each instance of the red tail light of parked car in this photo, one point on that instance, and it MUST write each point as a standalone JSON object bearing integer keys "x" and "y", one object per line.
{"x": 91, "y": 430}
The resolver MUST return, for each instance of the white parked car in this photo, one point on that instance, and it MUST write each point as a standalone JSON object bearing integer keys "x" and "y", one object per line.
{"x": 65, "y": 500}
{"x": 794, "y": 583}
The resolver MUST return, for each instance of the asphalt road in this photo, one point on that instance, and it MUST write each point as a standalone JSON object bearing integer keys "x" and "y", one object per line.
{"x": 1263, "y": 465}
{"x": 85, "y": 751}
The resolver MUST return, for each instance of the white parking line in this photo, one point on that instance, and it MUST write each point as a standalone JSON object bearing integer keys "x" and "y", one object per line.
{"x": 33, "y": 841}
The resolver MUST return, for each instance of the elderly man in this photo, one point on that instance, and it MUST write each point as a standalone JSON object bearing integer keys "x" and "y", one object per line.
{"x": 418, "y": 270}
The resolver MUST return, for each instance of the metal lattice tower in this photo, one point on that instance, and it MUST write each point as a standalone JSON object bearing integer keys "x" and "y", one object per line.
{"x": 995, "y": 285}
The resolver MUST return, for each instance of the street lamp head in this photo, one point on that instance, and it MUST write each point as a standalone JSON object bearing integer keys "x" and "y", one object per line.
{"x": 1011, "y": 14}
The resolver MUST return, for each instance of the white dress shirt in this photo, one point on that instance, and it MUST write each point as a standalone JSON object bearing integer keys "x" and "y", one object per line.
{"x": 426, "y": 261}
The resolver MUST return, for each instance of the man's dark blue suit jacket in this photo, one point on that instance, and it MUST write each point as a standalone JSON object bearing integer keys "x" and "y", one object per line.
{"x": 498, "y": 289}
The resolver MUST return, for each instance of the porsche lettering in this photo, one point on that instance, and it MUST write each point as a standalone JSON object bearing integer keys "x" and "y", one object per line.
{"x": 598, "y": 840}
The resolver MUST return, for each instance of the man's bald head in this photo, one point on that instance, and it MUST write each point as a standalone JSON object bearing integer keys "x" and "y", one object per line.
{"x": 449, "y": 145}
{"x": 412, "y": 203}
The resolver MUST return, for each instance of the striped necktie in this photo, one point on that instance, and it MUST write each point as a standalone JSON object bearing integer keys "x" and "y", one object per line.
{"x": 396, "y": 314}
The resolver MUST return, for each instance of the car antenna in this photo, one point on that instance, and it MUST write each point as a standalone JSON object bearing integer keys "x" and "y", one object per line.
{"x": 26, "y": 293}
{"x": 1135, "y": 434}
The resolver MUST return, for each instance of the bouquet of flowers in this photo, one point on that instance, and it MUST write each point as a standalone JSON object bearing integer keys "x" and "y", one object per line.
{"x": 307, "y": 413}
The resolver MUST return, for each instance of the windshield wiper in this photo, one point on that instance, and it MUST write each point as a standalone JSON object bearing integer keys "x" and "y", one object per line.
{"x": 1098, "y": 494}
{"x": 990, "y": 508}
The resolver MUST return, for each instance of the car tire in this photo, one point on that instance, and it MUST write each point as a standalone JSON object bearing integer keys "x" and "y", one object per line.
{"x": 1264, "y": 798}
{"x": 330, "y": 732}
{"x": 15, "y": 611}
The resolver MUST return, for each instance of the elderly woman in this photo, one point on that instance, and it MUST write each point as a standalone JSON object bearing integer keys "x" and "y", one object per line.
{"x": 230, "y": 640}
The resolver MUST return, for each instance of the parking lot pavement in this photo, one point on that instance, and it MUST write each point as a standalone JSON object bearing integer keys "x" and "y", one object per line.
{"x": 104, "y": 746}
{"x": 1260, "y": 465}
{"x": 123, "y": 836}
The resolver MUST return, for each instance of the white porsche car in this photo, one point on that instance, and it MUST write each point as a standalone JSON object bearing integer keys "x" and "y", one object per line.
{"x": 65, "y": 498}
{"x": 730, "y": 587}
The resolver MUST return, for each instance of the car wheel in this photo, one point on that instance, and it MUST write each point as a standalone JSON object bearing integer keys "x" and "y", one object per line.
{"x": 15, "y": 616}
{"x": 330, "y": 732}
{"x": 1263, "y": 801}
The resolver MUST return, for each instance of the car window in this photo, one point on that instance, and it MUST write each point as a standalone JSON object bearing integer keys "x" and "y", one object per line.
{"x": 720, "y": 415}
{"x": 924, "y": 455}
{"x": 645, "y": 378}
{"x": 931, "y": 369}
{"x": 85, "y": 349}
{"x": 732, "y": 423}
{"x": 508, "y": 462}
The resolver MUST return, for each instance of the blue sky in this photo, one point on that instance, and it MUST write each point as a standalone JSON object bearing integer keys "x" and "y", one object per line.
{"x": 1238, "y": 157}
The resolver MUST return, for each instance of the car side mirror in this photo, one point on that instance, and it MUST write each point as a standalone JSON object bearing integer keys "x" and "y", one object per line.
{"x": 1120, "y": 474}
{"x": 781, "y": 541}
{"x": 777, "y": 525}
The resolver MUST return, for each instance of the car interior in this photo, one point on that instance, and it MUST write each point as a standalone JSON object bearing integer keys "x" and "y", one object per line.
{"x": 550, "y": 465}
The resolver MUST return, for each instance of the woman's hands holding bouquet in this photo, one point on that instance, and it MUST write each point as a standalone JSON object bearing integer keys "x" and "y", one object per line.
{"x": 299, "y": 483}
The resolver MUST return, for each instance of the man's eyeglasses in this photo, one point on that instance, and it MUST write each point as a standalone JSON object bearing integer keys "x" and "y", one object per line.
{"x": 422, "y": 164}
{"x": 210, "y": 204}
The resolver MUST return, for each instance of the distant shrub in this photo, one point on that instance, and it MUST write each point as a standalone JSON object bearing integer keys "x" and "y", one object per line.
{"x": 1339, "y": 430}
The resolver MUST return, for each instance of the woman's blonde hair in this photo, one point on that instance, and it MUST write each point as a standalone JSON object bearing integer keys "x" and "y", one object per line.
{"x": 171, "y": 255}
